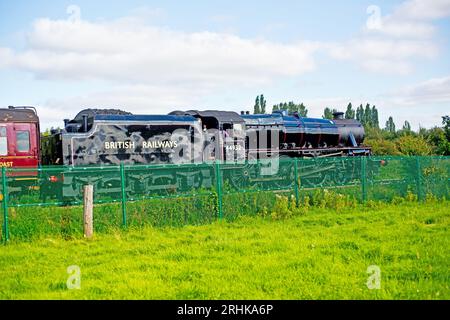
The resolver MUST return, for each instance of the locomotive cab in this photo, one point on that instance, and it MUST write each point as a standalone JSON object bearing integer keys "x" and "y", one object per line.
{"x": 224, "y": 134}
{"x": 263, "y": 134}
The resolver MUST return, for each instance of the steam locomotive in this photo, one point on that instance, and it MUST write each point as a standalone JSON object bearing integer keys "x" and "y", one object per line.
{"x": 112, "y": 137}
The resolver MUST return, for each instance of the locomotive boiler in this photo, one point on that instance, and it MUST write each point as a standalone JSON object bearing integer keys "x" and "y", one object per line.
{"x": 297, "y": 136}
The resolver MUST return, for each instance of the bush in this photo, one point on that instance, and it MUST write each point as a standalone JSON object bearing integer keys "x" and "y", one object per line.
{"x": 281, "y": 208}
{"x": 411, "y": 197}
{"x": 286, "y": 208}
{"x": 441, "y": 145}
{"x": 431, "y": 198}
{"x": 372, "y": 204}
{"x": 333, "y": 200}
{"x": 413, "y": 146}
{"x": 382, "y": 147}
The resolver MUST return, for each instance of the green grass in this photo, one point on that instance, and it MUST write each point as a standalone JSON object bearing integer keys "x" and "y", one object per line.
{"x": 323, "y": 254}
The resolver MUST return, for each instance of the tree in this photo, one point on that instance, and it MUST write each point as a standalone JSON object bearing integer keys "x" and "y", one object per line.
{"x": 367, "y": 120}
{"x": 292, "y": 107}
{"x": 327, "y": 113}
{"x": 437, "y": 138}
{"x": 390, "y": 125}
{"x": 350, "y": 113}
{"x": 302, "y": 110}
{"x": 446, "y": 123}
{"x": 256, "y": 108}
{"x": 360, "y": 114}
{"x": 407, "y": 126}
{"x": 262, "y": 104}
{"x": 375, "y": 121}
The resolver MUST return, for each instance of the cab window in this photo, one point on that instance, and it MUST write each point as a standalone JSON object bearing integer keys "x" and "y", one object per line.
{"x": 3, "y": 142}
{"x": 23, "y": 141}
{"x": 238, "y": 130}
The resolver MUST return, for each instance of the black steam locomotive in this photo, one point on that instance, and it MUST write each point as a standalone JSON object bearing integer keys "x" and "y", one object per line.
{"x": 100, "y": 137}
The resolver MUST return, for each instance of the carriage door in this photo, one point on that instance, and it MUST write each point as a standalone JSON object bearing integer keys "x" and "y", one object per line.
{"x": 25, "y": 145}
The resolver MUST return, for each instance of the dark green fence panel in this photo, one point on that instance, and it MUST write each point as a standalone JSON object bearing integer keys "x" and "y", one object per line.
{"x": 171, "y": 195}
{"x": 434, "y": 176}
{"x": 250, "y": 188}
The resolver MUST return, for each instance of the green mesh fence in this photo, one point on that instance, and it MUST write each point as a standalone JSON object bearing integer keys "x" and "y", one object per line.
{"x": 48, "y": 200}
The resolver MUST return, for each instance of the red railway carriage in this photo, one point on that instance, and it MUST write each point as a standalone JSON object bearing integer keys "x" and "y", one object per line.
{"x": 19, "y": 139}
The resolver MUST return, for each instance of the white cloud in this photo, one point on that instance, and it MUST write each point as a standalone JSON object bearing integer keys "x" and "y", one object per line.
{"x": 423, "y": 9}
{"x": 391, "y": 26}
{"x": 144, "y": 99}
{"x": 412, "y": 19}
{"x": 378, "y": 55}
{"x": 148, "y": 69}
{"x": 389, "y": 44}
{"x": 126, "y": 52}
{"x": 422, "y": 104}
{"x": 6, "y": 56}
{"x": 432, "y": 91}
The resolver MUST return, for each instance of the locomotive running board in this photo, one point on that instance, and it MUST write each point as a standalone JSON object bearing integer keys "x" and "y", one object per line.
{"x": 331, "y": 155}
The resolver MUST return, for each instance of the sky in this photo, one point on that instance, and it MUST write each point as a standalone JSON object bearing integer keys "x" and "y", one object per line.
{"x": 153, "y": 57}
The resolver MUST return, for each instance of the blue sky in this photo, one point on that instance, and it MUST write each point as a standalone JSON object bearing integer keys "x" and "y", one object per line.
{"x": 157, "y": 56}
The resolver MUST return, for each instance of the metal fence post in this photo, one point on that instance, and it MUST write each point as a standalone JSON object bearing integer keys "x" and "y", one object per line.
{"x": 296, "y": 182}
{"x": 363, "y": 179}
{"x": 219, "y": 189}
{"x": 124, "y": 196}
{"x": 418, "y": 179}
{"x": 5, "y": 204}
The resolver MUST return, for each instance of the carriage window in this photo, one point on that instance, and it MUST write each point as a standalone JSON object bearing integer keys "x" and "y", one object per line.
{"x": 3, "y": 142}
{"x": 23, "y": 141}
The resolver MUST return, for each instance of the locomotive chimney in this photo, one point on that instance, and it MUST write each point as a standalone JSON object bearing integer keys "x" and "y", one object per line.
{"x": 85, "y": 123}
{"x": 242, "y": 113}
{"x": 247, "y": 112}
{"x": 338, "y": 115}
{"x": 66, "y": 121}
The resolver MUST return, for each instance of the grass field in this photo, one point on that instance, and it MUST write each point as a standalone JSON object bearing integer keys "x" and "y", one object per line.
{"x": 322, "y": 254}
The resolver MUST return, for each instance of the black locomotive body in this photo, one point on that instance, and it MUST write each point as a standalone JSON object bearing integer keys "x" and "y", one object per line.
{"x": 104, "y": 137}
{"x": 114, "y": 137}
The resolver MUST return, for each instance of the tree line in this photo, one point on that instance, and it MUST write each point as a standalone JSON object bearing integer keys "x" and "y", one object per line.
{"x": 386, "y": 140}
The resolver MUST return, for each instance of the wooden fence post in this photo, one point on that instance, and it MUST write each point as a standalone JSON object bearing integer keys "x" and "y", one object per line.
{"x": 88, "y": 210}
